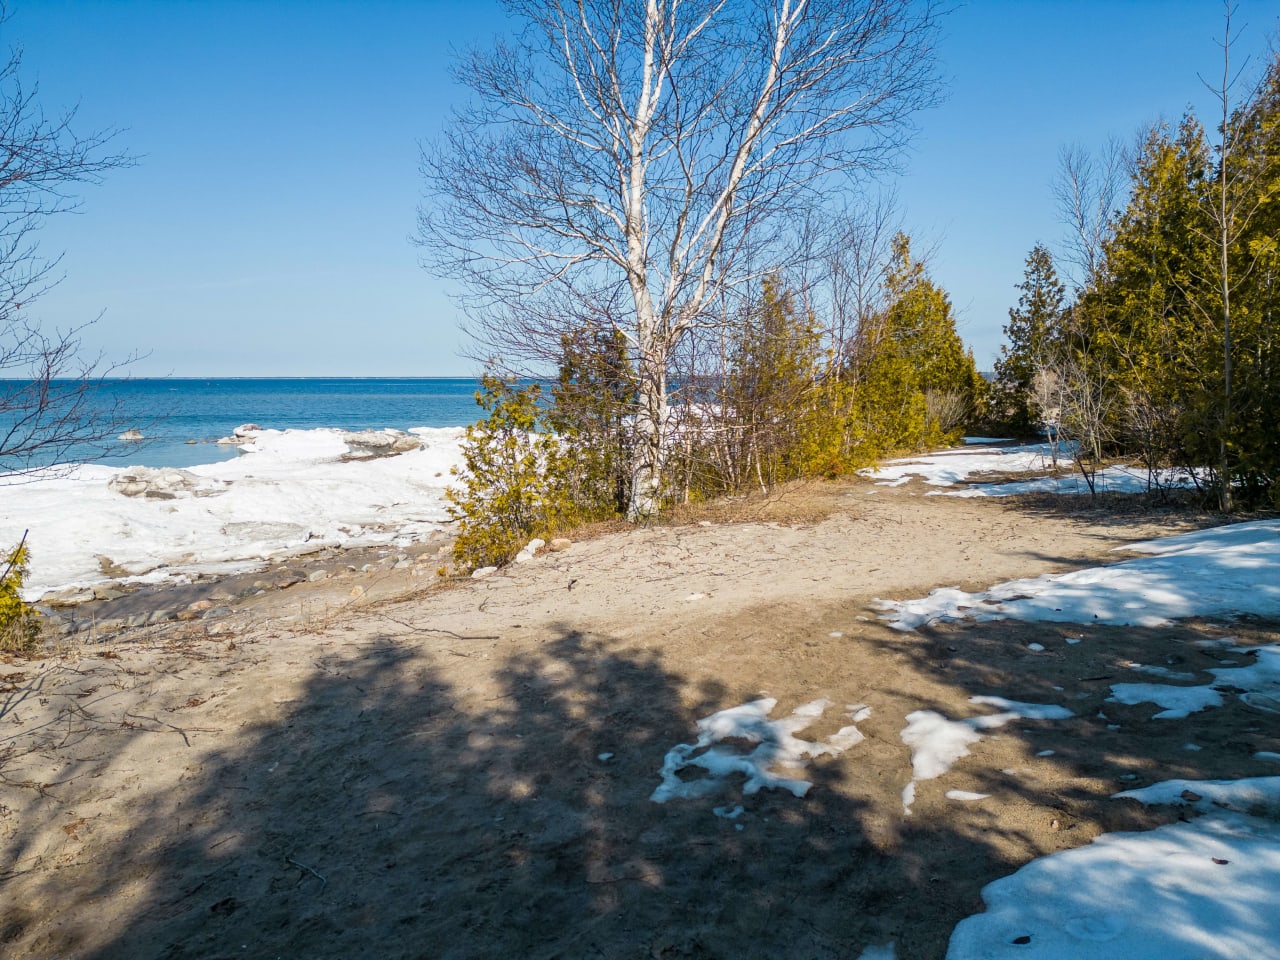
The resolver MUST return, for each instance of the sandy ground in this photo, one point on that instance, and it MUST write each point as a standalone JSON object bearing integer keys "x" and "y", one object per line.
{"x": 465, "y": 771}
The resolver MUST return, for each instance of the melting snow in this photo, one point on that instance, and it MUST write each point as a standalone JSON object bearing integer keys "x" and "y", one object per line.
{"x": 1178, "y": 702}
{"x": 1110, "y": 480}
{"x": 1258, "y": 684}
{"x": 937, "y": 743}
{"x": 1223, "y": 571}
{"x": 1250, "y": 795}
{"x": 946, "y": 467}
{"x": 965, "y": 795}
{"x": 775, "y": 744}
{"x": 1157, "y": 895}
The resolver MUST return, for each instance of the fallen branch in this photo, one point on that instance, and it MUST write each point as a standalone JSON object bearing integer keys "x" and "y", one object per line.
{"x": 182, "y": 733}
{"x": 302, "y": 866}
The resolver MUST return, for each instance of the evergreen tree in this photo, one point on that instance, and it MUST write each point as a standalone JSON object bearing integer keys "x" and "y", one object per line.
{"x": 772, "y": 391}
{"x": 513, "y": 486}
{"x": 592, "y": 405}
{"x": 916, "y": 382}
{"x": 1140, "y": 327}
{"x": 1033, "y": 333}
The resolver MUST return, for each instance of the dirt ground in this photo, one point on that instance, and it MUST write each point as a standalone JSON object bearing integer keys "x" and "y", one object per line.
{"x": 364, "y": 767}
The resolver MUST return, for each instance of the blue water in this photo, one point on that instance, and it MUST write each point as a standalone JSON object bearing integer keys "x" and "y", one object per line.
{"x": 172, "y": 412}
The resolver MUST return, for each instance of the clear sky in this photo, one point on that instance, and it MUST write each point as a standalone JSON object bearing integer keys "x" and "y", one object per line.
{"x": 266, "y": 227}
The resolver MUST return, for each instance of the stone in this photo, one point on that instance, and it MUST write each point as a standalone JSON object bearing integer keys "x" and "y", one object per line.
{"x": 366, "y": 444}
{"x": 560, "y": 543}
{"x": 107, "y": 593}
{"x": 317, "y": 575}
{"x": 241, "y": 434}
{"x": 131, "y": 436}
{"x": 164, "y": 484}
{"x": 357, "y": 591}
{"x": 482, "y": 572}
{"x": 288, "y": 580}
{"x": 68, "y": 598}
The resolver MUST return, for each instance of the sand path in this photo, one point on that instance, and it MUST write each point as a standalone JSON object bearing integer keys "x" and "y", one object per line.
{"x": 467, "y": 771}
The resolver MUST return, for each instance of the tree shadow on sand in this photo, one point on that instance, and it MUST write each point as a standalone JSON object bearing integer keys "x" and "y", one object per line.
{"x": 386, "y": 813}
{"x": 1063, "y": 774}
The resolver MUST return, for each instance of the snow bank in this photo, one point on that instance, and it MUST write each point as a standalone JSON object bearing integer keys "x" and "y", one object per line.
{"x": 291, "y": 490}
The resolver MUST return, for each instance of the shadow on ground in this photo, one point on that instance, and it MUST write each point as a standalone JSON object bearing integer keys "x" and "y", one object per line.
{"x": 388, "y": 812}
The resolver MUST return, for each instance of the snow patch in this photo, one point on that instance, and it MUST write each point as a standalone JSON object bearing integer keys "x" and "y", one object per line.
{"x": 1144, "y": 896}
{"x": 776, "y": 744}
{"x": 1255, "y": 795}
{"x": 1178, "y": 702}
{"x": 1223, "y": 571}
{"x": 937, "y": 743}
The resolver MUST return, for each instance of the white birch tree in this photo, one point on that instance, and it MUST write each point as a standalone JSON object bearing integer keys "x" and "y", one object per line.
{"x": 650, "y": 155}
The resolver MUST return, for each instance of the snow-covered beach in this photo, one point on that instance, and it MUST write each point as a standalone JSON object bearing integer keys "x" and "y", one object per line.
{"x": 287, "y": 492}
{"x": 883, "y": 725}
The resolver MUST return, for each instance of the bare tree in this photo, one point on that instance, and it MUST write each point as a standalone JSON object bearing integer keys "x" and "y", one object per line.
{"x": 1087, "y": 189}
{"x": 1236, "y": 198}
{"x": 47, "y": 405}
{"x": 662, "y": 153}
{"x": 847, "y": 283}
{"x": 1074, "y": 403}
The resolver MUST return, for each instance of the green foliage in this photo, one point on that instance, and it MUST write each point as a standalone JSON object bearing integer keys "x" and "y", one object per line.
{"x": 1034, "y": 334}
{"x": 513, "y": 487}
{"x": 916, "y": 383}
{"x": 1182, "y": 320}
{"x": 592, "y": 401}
{"x": 19, "y": 622}
{"x": 779, "y": 396}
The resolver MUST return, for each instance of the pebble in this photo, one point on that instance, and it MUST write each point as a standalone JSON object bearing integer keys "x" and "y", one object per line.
{"x": 317, "y": 575}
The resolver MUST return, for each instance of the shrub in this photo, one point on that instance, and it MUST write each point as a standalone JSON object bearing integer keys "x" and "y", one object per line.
{"x": 19, "y": 621}
{"x": 513, "y": 486}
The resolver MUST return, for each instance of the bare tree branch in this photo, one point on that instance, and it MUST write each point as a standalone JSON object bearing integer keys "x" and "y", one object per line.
{"x": 49, "y": 412}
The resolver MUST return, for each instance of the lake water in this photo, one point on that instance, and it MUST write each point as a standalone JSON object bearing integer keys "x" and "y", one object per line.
{"x": 181, "y": 418}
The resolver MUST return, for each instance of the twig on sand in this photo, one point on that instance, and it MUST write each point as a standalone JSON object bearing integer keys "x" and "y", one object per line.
{"x": 302, "y": 866}
{"x": 449, "y": 633}
{"x": 182, "y": 733}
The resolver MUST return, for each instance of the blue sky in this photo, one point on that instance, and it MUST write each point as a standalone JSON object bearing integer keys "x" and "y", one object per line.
{"x": 265, "y": 229}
